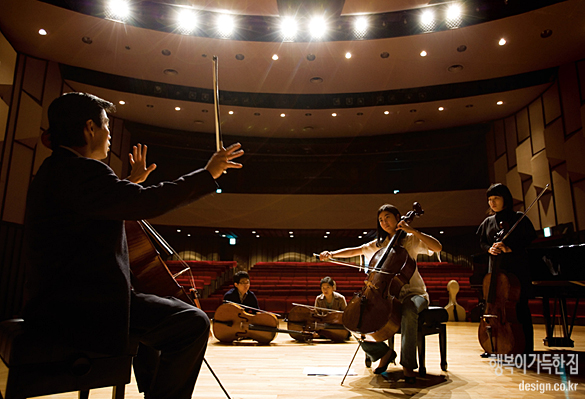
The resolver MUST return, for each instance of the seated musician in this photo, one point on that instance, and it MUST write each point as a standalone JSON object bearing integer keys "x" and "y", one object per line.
{"x": 241, "y": 293}
{"x": 512, "y": 252}
{"x": 78, "y": 290}
{"x": 413, "y": 296}
{"x": 329, "y": 299}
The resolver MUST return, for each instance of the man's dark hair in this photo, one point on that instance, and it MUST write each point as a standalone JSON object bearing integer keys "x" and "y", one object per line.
{"x": 240, "y": 275}
{"x": 68, "y": 115}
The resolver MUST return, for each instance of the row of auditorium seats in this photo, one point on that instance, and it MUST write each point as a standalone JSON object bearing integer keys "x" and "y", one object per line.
{"x": 207, "y": 276}
{"x": 280, "y": 284}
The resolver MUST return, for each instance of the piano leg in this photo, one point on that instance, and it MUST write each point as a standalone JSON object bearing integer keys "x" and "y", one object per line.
{"x": 566, "y": 323}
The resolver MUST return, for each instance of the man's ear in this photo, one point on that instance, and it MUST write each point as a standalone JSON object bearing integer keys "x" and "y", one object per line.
{"x": 90, "y": 126}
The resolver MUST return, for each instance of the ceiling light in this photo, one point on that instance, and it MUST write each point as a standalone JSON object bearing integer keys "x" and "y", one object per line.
{"x": 282, "y": 115}
{"x": 225, "y": 25}
{"x": 188, "y": 235}
{"x": 275, "y": 57}
{"x": 117, "y": 10}
{"x": 317, "y": 27}
{"x": 360, "y": 27}
{"x": 348, "y": 55}
{"x": 500, "y": 102}
{"x": 423, "y": 53}
{"x": 396, "y": 191}
{"x": 427, "y": 20}
{"x": 327, "y": 232}
{"x": 502, "y": 41}
{"x": 257, "y": 236}
{"x": 454, "y": 12}
{"x": 122, "y": 102}
{"x": 177, "y": 108}
{"x": 386, "y": 112}
{"x": 334, "y": 114}
{"x": 187, "y": 21}
{"x": 42, "y": 32}
{"x": 231, "y": 112}
{"x": 218, "y": 190}
{"x": 288, "y": 29}
{"x": 441, "y": 109}
{"x": 216, "y": 231}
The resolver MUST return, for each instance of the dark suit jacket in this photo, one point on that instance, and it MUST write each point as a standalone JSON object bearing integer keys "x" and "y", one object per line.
{"x": 78, "y": 277}
{"x": 250, "y": 300}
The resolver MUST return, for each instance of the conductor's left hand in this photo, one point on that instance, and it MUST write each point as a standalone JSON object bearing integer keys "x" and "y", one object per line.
{"x": 222, "y": 160}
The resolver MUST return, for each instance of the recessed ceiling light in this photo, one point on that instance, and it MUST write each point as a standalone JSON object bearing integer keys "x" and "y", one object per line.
{"x": 502, "y": 41}
{"x": 149, "y": 106}
{"x": 275, "y": 57}
{"x": 316, "y": 79}
{"x": 462, "y": 48}
{"x": 166, "y": 52}
{"x": 42, "y": 32}
{"x": 240, "y": 57}
{"x": 231, "y": 112}
{"x": 441, "y": 109}
{"x": 423, "y": 53}
{"x": 386, "y": 112}
{"x": 311, "y": 57}
{"x": 546, "y": 33}
{"x": 86, "y": 40}
{"x": 122, "y": 102}
{"x": 384, "y": 55}
{"x": 178, "y": 230}
{"x": 500, "y": 102}
{"x": 348, "y": 55}
{"x": 177, "y": 108}
{"x": 334, "y": 114}
{"x": 455, "y": 68}
{"x": 419, "y": 122}
{"x": 171, "y": 72}
{"x": 282, "y": 115}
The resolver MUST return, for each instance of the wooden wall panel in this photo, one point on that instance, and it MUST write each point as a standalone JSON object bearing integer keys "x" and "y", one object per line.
{"x": 552, "y": 104}
{"x": 17, "y": 186}
{"x": 30, "y": 114}
{"x": 41, "y": 152}
{"x": 500, "y": 138}
{"x": 491, "y": 152}
{"x": 536, "y": 125}
{"x": 511, "y": 140}
{"x": 116, "y": 165}
{"x": 34, "y": 77}
{"x": 116, "y": 131}
{"x": 570, "y": 97}
{"x": 540, "y": 169}
{"x": 500, "y": 170}
{"x": 514, "y": 183}
{"x": 579, "y": 200}
{"x": 3, "y": 119}
{"x": 53, "y": 86}
{"x": 523, "y": 159}
{"x": 574, "y": 149}
{"x": 523, "y": 125}
{"x": 562, "y": 194}
{"x": 554, "y": 139}
{"x": 529, "y": 196}
{"x": 581, "y": 74}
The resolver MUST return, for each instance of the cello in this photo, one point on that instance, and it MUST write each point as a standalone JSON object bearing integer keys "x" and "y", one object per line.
{"x": 305, "y": 319}
{"x": 375, "y": 312}
{"x": 231, "y": 323}
{"x": 499, "y": 330}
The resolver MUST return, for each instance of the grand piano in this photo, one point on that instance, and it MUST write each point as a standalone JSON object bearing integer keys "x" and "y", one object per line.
{"x": 558, "y": 275}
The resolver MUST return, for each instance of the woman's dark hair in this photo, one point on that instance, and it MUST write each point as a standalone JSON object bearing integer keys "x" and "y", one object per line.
{"x": 327, "y": 280}
{"x": 240, "y": 275}
{"x": 381, "y": 234}
{"x": 68, "y": 115}
{"x": 500, "y": 190}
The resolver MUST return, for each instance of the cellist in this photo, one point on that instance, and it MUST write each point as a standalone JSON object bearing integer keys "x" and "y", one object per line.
{"x": 511, "y": 253}
{"x": 413, "y": 296}
{"x": 78, "y": 290}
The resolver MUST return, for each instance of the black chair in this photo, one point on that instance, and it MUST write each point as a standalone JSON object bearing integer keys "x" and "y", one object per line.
{"x": 430, "y": 321}
{"x": 32, "y": 366}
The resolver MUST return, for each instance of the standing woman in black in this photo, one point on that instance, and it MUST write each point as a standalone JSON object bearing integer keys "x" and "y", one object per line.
{"x": 512, "y": 251}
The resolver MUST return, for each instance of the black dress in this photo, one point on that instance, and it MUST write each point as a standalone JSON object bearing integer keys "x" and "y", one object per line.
{"x": 515, "y": 262}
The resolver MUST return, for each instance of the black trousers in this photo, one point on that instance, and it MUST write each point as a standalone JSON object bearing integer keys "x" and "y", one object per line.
{"x": 173, "y": 337}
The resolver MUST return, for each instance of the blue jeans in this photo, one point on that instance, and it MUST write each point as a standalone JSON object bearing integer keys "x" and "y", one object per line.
{"x": 411, "y": 307}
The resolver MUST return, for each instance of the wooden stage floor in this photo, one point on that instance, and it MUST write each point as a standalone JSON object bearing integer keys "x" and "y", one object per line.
{"x": 277, "y": 371}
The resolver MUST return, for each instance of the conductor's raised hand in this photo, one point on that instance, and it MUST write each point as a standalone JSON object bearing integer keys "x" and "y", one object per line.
{"x": 222, "y": 160}
{"x": 139, "y": 171}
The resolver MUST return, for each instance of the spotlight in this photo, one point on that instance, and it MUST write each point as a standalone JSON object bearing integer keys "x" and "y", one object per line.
{"x": 317, "y": 27}
{"x": 282, "y": 115}
{"x": 288, "y": 29}
{"x": 187, "y": 21}
{"x": 441, "y": 108}
{"x": 502, "y": 41}
{"x": 500, "y": 103}
{"x": 225, "y": 25}
{"x": 348, "y": 55}
{"x": 42, "y": 32}
{"x": 454, "y": 13}
{"x": 122, "y": 102}
{"x": 423, "y": 53}
{"x": 118, "y": 10}
{"x": 427, "y": 20}
{"x": 360, "y": 27}
{"x": 275, "y": 57}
